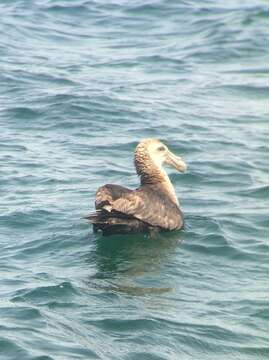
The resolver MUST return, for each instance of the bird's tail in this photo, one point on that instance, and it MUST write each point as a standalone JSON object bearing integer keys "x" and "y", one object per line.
{"x": 94, "y": 217}
{"x": 114, "y": 225}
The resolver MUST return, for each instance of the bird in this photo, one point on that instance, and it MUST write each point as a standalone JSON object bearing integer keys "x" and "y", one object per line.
{"x": 151, "y": 208}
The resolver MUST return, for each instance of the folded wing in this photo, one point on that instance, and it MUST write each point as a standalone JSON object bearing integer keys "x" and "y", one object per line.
{"x": 150, "y": 207}
{"x": 144, "y": 204}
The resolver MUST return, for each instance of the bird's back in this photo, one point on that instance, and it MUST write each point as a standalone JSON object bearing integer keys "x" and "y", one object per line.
{"x": 121, "y": 210}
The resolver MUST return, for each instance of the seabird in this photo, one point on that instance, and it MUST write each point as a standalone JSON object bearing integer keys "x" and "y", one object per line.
{"x": 152, "y": 207}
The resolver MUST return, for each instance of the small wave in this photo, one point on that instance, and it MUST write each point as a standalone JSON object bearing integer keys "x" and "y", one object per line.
{"x": 12, "y": 147}
{"x": 11, "y": 349}
{"x": 23, "y": 113}
{"x": 135, "y": 290}
{"x": 27, "y": 218}
{"x": 20, "y": 313}
{"x": 256, "y": 91}
{"x": 259, "y": 192}
{"x": 43, "y": 294}
{"x": 69, "y": 9}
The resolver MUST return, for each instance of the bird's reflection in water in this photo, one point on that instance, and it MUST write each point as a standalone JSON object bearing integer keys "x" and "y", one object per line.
{"x": 133, "y": 264}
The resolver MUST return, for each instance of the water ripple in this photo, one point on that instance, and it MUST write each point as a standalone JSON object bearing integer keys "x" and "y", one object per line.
{"x": 81, "y": 83}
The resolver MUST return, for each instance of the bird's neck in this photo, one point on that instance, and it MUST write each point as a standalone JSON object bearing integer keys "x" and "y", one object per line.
{"x": 168, "y": 188}
{"x": 154, "y": 175}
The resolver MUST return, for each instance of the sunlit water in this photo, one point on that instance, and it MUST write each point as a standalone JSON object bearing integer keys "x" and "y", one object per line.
{"x": 81, "y": 82}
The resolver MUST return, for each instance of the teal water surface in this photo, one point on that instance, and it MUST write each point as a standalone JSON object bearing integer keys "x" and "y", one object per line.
{"x": 81, "y": 83}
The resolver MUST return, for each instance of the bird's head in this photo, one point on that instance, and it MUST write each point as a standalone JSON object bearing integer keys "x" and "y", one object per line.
{"x": 154, "y": 151}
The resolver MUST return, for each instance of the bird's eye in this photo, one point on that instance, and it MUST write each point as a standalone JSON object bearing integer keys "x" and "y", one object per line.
{"x": 161, "y": 148}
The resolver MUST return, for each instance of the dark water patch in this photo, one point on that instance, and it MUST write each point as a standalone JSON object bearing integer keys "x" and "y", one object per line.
{"x": 67, "y": 8}
{"x": 154, "y": 9}
{"x": 247, "y": 71}
{"x": 64, "y": 305}
{"x": 262, "y": 221}
{"x": 248, "y": 90}
{"x": 144, "y": 355}
{"x": 205, "y": 224}
{"x": 28, "y": 218}
{"x": 23, "y": 113}
{"x": 198, "y": 329}
{"x": 134, "y": 290}
{"x": 20, "y": 313}
{"x": 258, "y": 192}
{"x": 113, "y": 172}
{"x": 127, "y": 326}
{"x": 9, "y": 348}
{"x": 40, "y": 295}
{"x": 218, "y": 250}
{"x": 263, "y": 314}
{"x": 35, "y": 247}
{"x": 11, "y": 282}
{"x": 241, "y": 228}
{"x": 12, "y": 147}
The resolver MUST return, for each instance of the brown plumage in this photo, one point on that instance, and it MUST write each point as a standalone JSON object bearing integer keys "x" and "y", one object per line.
{"x": 153, "y": 206}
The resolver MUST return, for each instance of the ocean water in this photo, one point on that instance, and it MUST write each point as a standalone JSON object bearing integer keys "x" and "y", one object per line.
{"x": 81, "y": 82}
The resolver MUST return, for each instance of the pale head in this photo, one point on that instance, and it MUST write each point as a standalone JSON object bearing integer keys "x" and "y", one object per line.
{"x": 157, "y": 153}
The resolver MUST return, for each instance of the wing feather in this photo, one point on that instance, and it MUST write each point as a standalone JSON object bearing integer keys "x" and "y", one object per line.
{"x": 106, "y": 194}
{"x": 143, "y": 204}
{"x": 151, "y": 208}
